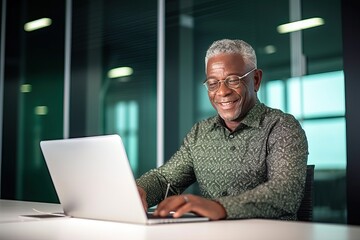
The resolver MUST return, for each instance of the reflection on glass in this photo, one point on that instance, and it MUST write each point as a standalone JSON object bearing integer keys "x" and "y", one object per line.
{"x": 317, "y": 95}
{"x": 327, "y": 143}
{"x": 275, "y": 94}
{"x": 299, "y": 25}
{"x": 324, "y": 94}
{"x": 294, "y": 97}
{"x": 37, "y": 24}
{"x": 127, "y": 126}
{"x": 120, "y": 72}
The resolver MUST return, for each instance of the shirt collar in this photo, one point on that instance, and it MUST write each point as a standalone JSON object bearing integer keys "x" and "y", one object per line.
{"x": 254, "y": 116}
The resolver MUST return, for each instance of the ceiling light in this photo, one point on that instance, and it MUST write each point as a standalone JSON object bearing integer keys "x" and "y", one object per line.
{"x": 37, "y": 24}
{"x": 299, "y": 25}
{"x": 41, "y": 110}
{"x": 120, "y": 72}
{"x": 25, "y": 88}
{"x": 270, "y": 49}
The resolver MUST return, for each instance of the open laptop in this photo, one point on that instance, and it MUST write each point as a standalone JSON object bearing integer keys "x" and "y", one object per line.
{"x": 93, "y": 179}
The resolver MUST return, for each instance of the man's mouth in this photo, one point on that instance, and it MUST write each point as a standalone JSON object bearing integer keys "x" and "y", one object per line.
{"x": 227, "y": 104}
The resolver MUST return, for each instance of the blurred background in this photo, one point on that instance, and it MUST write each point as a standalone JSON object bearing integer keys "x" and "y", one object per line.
{"x": 136, "y": 68}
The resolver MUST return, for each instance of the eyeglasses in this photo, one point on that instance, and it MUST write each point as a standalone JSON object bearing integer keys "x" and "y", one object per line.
{"x": 232, "y": 81}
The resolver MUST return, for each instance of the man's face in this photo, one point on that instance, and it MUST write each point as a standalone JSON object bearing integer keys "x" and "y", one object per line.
{"x": 233, "y": 104}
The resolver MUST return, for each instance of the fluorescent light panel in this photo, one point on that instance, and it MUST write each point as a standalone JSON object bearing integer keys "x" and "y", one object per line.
{"x": 120, "y": 72}
{"x": 270, "y": 49}
{"x": 37, "y": 24}
{"x": 25, "y": 88}
{"x": 299, "y": 25}
{"x": 41, "y": 110}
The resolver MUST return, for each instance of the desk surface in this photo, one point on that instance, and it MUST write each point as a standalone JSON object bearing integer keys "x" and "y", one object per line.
{"x": 13, "y": 227}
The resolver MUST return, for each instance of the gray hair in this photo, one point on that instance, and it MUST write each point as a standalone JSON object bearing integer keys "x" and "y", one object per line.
{"x": 228, "y": 46}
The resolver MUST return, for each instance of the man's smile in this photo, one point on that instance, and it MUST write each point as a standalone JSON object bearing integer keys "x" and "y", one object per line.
{"x": 226, "y": 104}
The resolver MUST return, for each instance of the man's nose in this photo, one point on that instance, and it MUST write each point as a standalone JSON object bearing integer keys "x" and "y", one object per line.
{"x": 223, "y": 89}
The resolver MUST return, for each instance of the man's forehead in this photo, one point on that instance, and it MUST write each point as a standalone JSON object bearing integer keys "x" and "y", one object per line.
{"x": 217, "y": 64}
{"x": 225, "y": 63}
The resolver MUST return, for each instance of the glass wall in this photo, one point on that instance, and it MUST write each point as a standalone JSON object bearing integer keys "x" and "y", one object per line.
{"x": 113, "y": 75}
{"x": 105, "y": 35}
{"x": 316, "y": 99}
{"x": 33, "y": 96}
{"x": 113, "y": 82}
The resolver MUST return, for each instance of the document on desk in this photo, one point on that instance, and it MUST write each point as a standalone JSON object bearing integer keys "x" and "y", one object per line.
{"x": 43, "y": 215}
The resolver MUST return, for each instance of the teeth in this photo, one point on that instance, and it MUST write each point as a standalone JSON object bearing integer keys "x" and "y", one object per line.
{"x": 226, "y": 103}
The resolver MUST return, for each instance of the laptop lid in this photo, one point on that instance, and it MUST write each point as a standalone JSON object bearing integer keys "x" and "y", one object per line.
{"x": 93, "y": 179}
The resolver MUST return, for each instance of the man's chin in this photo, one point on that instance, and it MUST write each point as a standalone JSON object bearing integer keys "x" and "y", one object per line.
{"x": 228, "y": 117}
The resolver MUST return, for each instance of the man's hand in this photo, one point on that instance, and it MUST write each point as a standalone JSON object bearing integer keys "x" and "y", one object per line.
{"x": 143, "y": 197}
{"x": 182, "y": 204}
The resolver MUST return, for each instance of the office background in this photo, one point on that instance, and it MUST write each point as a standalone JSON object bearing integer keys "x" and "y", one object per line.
{"x": 56, "y": 82}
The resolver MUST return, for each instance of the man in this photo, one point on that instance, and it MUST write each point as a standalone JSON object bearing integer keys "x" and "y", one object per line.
{"x": 249, "y": 160}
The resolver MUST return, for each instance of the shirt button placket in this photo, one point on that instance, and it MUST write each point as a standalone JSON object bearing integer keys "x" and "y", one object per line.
{"x": 232, "y": 148}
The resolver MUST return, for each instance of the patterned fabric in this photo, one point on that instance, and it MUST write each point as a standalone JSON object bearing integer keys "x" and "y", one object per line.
{"x": 256, "y": 171}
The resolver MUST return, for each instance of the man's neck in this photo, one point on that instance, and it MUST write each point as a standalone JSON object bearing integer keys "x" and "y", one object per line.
{"x": 232, "y": 125}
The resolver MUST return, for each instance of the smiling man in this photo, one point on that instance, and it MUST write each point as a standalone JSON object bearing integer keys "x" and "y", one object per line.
{"x": 249, "y": 160}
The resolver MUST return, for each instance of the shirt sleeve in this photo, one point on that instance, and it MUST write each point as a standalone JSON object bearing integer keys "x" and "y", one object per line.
{"x": 178, "y": 172}
{"x": 280, "y": 196}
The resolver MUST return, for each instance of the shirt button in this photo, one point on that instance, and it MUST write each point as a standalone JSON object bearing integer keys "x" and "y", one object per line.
{"x": 231, "y": 136}
{"x": 232, "y": 148}
{"x": 224, "y": 193}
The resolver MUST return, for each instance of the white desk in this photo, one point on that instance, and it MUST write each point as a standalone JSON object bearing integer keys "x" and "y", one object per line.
{"x": 13, "y": 227}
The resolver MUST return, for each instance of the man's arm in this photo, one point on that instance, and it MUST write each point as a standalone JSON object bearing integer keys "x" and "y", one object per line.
{"x": 281, "y": 194}
{"x": 142, "y": 194}
{"x": 182, "y": 204}
{"x": 178, "y": 172}
{"x": 278, "y": 197}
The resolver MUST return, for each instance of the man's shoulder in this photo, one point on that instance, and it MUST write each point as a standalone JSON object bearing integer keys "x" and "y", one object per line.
{"x": 204, "y": 126}
{"x": 207, "y": 123}
{"x": 279, "y": 116}
{"x": 276, "y": 113}
{"x": 201, "y": 129}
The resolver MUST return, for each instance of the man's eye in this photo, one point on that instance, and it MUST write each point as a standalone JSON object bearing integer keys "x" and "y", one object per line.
{"x": 233, "y": 81}
{"x": 212, "y": 83}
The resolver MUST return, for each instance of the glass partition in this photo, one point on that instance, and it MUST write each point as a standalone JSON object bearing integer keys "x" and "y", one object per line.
{"x": 317, "y": 99}
{"x": 33, "y": 99}
{"x": 114, "y": 88}
{"x": 113, "y": 76}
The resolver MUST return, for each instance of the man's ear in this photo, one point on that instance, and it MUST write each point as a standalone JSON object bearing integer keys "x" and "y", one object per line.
{"x": 257, "y": 79}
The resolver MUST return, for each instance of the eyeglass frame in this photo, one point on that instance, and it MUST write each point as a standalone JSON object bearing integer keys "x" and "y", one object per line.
{"x": 225, "y": 81}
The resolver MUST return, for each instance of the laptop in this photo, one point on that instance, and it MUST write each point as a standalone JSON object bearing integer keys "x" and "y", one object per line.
{"x": 93, "y": 179}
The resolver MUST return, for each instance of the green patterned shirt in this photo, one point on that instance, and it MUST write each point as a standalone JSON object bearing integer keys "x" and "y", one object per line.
{"x": 256, "y": 171}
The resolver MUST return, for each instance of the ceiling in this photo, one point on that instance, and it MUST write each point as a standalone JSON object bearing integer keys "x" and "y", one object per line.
{"x": 134, "y": 25}
{"x": 127, "y": 30}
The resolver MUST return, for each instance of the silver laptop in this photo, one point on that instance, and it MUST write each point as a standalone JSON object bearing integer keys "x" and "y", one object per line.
{"x": 93, "y": 179}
